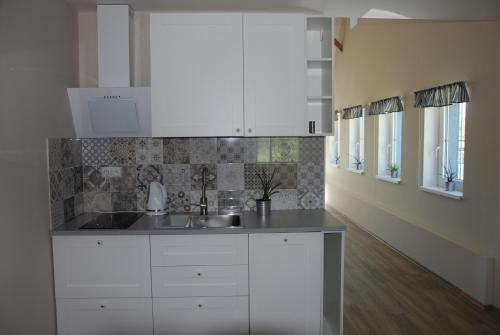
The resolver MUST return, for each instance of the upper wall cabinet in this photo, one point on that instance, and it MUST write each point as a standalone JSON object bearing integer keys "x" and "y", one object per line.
{"x": 197, "y": 75}
{"x": 198, "y": 62}
{"x": 274, "y": 74}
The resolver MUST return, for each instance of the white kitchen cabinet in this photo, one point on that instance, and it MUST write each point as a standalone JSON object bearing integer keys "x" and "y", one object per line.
{"x": 102, "y": 266}
{"x": 286, "y": 283}
{"x": 196, "y": 74}
{"x": 195, "y": 316}
{"x": 129, "y": 316}
{"x": 274, "y": 74}
{"x": 188, "y": 250}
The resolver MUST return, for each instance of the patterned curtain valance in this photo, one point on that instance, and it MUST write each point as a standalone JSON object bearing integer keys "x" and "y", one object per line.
{"x": 389, "y": 105}
{"x": 442, "y": 95}
{"x": 353, "y": 112}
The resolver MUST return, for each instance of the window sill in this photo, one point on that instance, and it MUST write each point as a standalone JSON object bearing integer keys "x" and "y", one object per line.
{"x": 440, "y": 191}
{"x": 356, "y": 171}
{"x": 335, "y": 165}
{"x": 389, "y": 179}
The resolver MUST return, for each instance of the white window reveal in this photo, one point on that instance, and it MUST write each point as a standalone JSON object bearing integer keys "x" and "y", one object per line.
{"x": 356, "y": 147}
{"x": 334, "y": 143}
{"x": 443, "y": 142}
{"x": 390, "y": 121}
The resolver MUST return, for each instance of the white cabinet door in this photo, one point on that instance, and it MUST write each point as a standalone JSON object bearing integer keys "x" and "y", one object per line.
{"x": 286, "y": 283}
{"x": 102, "y": 266}
{"x": 104, "y": 316}
{"x": 200, "y": 281}
{"x": 186, "y": 250}
{"x": 274, "y": 74}
{"x": 195, "y": 316}
{"x": 197, "y": 75}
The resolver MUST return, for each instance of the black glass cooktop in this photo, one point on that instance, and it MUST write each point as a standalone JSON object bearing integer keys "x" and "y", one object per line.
{"x": 113, "y": 221}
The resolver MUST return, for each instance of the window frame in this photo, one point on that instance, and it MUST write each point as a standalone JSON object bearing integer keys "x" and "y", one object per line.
{"x": 334, "y": 145}
{"x": 359, "y": 146}
{"x": 393, "y": 140}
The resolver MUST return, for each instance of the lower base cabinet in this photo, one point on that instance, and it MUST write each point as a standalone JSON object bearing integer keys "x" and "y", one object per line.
{"x": 207, "y": 316}
{"x": 105, "y": 316}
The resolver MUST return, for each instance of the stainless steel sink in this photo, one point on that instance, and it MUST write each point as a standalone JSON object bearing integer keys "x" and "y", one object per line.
{"x": 200, "y": 222}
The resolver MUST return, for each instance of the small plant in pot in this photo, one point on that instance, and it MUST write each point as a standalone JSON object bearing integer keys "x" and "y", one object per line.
{"x": 337, "y": 159}
{"x": 449, "y": 179}
{"x": 358, "y": 163}
{"x": 268, "y": 189}
{"x": 394, "y": 169}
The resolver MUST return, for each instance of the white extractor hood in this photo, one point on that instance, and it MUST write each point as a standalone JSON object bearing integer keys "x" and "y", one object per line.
{"x": 114, "y": 109}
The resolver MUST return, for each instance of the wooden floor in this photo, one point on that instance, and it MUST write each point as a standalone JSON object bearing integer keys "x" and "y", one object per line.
{"x": 386, "y": 293}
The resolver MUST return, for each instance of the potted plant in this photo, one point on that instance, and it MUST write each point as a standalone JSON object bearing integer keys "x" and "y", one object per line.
{"x": 337, "y": 159}
{"x": 268, "y": 189}
{"x": 358, "y": 162}
{"x": 449, "y": 179}
{"x": 394, "y": 169}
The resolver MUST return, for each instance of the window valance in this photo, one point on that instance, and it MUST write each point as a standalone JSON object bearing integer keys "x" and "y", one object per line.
{"x": 442, "y": 95}
{"x": 353, "y": 112}
{"x": 385, "y": 106}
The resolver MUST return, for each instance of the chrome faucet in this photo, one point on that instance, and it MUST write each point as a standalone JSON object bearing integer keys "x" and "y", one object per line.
{"x": 203, "y": 199}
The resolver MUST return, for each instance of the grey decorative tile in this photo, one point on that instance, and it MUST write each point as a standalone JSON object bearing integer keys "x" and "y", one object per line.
{"x": 211, "y": 199}
{"x": 69, "y": 209}
{"x": 57, "y": 213}
{"x": 249, "y": 199}
{"x": 311, "y": 199}
{"x": 142, "y": 199}
{"x": 97, "y": 202}
{"x": 312, "y": 150}
{"x": 286, "y": 175}
{"x": 126, "y": 182}
{"x": 196, "y": 175}
{"x": 284, "y": 199}
{"x": 230, "y": 150}
{"x": 71, "y": 152}
{"x": 176, "y": 150}
{"x": 178, "y": 200}
{"x": 202, "y": 150}
{"x": 124, "y": 201}
{"x": 310, "y": 176}
{"x": 96, "y": 151}
{"x": 54, "y": 147}
{"x": 284, "y": 149}
{"x": 231, "y": 200}
{"x": 231, "y": 177}
{"x": 56, "y": 185}
{"x": 147, "y": 174}
{"x": 257, "y": 149}
{"x": 177, "y": 175}
{"x": 68, "y": 183}
{"x": 94, "y": 180}
{"x": 149, "y": 150}
{"x": 123, "y": 151}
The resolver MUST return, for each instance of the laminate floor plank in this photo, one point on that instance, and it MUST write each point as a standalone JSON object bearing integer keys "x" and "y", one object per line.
{"x": 388, "y": 294}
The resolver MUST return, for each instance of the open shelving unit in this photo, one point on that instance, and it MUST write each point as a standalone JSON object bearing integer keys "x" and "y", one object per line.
{"x": 319, "y": 74}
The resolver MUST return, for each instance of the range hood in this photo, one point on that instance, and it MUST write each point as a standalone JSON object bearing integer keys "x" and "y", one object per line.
{"x": 114, "y": 109}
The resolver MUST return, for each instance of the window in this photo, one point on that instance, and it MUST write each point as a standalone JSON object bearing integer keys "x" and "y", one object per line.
{"x": 334, "y": 144}
{"x": 444, "y": 147}
{"x": 389, "y": 145}
{"x": 356, "y": 144}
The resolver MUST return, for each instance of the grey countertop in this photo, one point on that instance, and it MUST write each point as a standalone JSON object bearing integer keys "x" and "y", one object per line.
{"x": 283, "y": 221}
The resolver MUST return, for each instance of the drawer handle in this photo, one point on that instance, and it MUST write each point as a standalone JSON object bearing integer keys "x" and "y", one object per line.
{"x": 99, "y": 243}
{"x": 285, "y": 239}
{"x": 102, "y": 306}
{"x": 200, "y": 305}
{"x": 199, "y": 274}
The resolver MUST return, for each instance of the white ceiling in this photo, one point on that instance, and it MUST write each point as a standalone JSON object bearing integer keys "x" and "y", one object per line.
{"x": 416, "y": 9}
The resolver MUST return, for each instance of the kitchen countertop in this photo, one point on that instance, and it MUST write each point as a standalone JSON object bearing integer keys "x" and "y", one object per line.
{"x": 282, "y": 221}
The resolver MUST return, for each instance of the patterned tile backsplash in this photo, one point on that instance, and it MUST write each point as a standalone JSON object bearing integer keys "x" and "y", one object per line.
{"x": 80, "y": 179}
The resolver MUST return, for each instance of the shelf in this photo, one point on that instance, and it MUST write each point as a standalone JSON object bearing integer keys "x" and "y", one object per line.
{"x": 320, "y": 97}
{"x": 319, "y": 59}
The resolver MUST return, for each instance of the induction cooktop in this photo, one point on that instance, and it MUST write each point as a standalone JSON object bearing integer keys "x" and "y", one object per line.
{"x": 113, "y": 221}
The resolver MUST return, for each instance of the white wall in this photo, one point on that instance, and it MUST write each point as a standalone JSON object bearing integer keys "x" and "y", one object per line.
{"x": 381, "y": 59}
{"x": 37, "y": 63}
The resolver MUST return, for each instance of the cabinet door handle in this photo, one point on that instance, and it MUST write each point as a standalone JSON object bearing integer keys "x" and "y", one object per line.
{"x": 285, "y": 239}
{"x": 200, "y": 305}
{"x": 249, "y": 130}
{"x": 99, "y": 243}
{"x": 102, "y": 306}
{"x": 237, "y": 130}
{"x": 199, "y": 274}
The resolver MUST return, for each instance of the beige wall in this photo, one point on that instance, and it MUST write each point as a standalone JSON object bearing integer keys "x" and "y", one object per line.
{"x": 37, "y": 63}
{"x": 383, "y": 59}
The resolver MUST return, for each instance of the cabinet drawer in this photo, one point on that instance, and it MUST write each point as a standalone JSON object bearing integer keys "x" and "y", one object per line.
{"x": 104, "y": 316}
{"x": 204, "y": 281}
{"x": 194, "y": 316}
{"x": 102, "y": 266}
{"x": 178, "y": 250}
